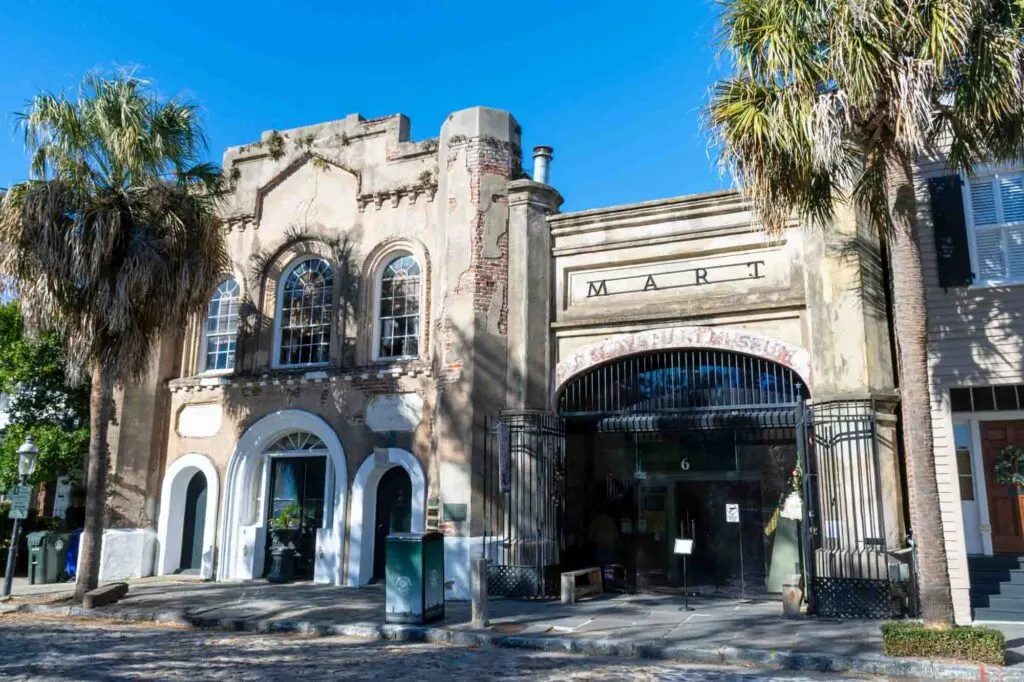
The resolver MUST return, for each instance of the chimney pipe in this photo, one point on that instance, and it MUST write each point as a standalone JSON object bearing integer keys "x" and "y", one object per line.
{"x": 541, "y": 163}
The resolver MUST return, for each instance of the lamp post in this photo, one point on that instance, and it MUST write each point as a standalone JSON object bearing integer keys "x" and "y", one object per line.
{"x": 27, "y": 454}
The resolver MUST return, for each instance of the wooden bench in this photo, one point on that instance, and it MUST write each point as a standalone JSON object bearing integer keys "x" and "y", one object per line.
{"x": 573, "y": 589}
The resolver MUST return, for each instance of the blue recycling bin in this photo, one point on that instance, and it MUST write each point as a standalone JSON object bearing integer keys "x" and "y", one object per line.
{"x": 71, "y": 558}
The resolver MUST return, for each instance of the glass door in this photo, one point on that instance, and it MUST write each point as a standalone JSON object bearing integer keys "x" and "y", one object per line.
{"x": 300, "y": 481}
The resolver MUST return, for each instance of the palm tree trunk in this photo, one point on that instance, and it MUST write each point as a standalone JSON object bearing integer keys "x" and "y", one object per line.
{"x": 911, "y": 328}
{"x": 96, "y": 484}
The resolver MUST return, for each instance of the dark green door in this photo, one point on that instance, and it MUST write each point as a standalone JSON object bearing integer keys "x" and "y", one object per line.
{"x": 194, "y": 524}
{"x": 301, "y": 481}
{"x": 394, "y": 514}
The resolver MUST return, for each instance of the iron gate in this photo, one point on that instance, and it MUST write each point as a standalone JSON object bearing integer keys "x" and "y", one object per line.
{"x": 850, "y": 540}
{"x": 523, "y": 497}
{"x": 856, "y": 564}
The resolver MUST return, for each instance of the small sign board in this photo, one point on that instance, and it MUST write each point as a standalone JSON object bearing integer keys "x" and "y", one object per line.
{"x": 683, "y": 546}
{"x": 62, "y": 497}
{"x": 19, "y": 496}
{"x": 732, "y": 513}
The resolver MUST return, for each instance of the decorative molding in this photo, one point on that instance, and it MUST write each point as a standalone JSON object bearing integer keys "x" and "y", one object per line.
{"x": 717, "y": 338}
{"x": 302, "y": 377}
{"x": 394, "y": 195}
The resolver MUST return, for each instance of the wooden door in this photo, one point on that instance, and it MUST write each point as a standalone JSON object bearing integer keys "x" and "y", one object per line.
{"x": 1005, "y": 503}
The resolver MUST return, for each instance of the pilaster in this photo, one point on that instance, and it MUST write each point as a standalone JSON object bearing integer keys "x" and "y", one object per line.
{"x": 530, "y": 275}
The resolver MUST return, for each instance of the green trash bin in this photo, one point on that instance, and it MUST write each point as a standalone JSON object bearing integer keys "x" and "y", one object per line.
{"x": 46, "y": 557}
{"x": 414, "y": 578}
{"x": 36, "y": 560}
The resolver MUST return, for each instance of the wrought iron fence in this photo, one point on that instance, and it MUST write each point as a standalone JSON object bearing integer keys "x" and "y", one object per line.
{"x": 523, "y": 496}
{"x": 851, "y": 554}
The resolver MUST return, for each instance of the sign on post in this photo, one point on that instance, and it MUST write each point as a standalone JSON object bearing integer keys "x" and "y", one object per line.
{"x": 19, "y": 496}
{"x": 683, "y": 546}
{"x": 732, "y": 513}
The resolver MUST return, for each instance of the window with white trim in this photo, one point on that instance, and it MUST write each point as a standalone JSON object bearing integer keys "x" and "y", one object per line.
{"x": 304, "y": 316}
{"x": 398, "y": 309}
{"x": 221, "y": 330}
{"x": 996, "y": 220}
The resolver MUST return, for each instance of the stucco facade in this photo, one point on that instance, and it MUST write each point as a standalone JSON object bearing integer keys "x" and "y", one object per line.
{"x": 514, "y": 299}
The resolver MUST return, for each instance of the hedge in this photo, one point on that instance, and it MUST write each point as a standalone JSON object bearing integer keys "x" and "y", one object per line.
{"x": 962, "y": 643}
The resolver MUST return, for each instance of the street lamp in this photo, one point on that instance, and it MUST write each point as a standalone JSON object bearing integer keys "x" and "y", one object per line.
{"x": 27, "y": 455}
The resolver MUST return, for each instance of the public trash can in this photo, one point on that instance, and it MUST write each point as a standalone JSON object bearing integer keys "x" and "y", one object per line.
{"x": 414, "y": 578}
{"x": 46, "y": 557}
{"x": 35, "y": 557}
{"x": 71, "y": 556}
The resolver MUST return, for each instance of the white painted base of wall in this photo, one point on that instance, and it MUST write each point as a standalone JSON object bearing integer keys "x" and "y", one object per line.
{"x": 458, "y": 558}
{"x": 127, "y": 553}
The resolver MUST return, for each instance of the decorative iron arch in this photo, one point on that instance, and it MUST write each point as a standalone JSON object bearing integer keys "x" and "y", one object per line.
{"x": 676, "y": 380}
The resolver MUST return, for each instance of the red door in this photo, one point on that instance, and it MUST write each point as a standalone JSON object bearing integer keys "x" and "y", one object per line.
{"x": 1005, "y": 502}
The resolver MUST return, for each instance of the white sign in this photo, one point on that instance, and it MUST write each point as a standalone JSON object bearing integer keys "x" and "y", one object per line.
{"x": 683, "y": 546}
{"x": 732, "y": 513}
{"x": 397, "y": 412}
{"x": 62, "y": 497}
{"x": 19, "y": 496}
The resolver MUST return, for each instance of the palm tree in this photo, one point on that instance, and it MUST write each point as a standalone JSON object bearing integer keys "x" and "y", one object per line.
{"x": 113, "y": 243}
{"x": 831, "y": 101}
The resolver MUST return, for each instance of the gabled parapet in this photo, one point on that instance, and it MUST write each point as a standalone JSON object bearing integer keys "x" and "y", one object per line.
{"x": 377, "y": 151}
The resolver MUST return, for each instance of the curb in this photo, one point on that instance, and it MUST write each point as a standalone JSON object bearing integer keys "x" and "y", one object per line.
{"x": 866, "y": 664}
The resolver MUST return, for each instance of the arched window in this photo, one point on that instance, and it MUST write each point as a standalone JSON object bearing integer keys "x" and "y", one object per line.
{"x": 398, "y": 309}
{"x": 305, "y": 314}
{"x": 221, "y": 328}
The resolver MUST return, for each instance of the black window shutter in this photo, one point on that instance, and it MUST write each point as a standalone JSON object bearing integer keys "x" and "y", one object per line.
{"x": 950, "y": 226}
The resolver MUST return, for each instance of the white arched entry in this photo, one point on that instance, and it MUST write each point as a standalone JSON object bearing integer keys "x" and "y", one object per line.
{"x": 172, "y": 512}
{"x": 364, "y": 506}
{"x": 243, "y": 531}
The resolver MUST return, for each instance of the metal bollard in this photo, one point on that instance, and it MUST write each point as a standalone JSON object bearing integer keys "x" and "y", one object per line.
{"x": 479, "y": 586}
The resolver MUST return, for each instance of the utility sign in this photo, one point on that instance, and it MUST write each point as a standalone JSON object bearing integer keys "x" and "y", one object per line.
{"x": 732, "y": 513}
{"x": 19, "y": 496}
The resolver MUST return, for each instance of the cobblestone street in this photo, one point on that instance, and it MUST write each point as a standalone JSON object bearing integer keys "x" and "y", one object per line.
{"x": 37, "y": 647}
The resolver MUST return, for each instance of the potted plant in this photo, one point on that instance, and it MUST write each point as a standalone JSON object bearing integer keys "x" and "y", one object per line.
{"x": 284, "y": 531}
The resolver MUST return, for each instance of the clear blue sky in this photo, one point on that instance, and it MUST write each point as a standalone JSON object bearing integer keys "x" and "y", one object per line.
{"x": 615, "y": 87}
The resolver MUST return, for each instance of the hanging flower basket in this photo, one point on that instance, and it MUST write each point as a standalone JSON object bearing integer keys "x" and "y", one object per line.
{"x": 1008, "y": 466}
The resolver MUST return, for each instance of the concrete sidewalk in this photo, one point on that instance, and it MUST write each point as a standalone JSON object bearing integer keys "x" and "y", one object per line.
{"x": 715, "y": 630}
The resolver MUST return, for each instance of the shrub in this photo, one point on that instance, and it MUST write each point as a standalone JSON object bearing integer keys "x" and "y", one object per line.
{"x": 964, "y": 643}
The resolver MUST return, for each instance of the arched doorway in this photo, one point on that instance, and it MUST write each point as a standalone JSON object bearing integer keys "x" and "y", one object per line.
{"x": 187, "y": 526}
{"x": 692, "y": 444}
{"x": 256, "y": 484}
{"x": 296, "y": 477}
{"x": 382, "y": 474}
{"x": 194, "y": 525}
{"x": 393, "y": 514}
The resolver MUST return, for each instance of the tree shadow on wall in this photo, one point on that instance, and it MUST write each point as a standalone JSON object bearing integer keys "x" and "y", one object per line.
{"x": 257, "y": 310}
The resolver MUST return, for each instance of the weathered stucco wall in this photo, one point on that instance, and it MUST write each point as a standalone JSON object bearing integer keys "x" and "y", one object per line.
{"x": 353, "y": 192}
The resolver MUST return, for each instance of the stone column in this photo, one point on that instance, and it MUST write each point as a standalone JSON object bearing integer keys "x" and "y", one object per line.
{"x": 478, "y": 153}
{"x": 528, "y": 374}
{"x": 858, "y": 489}
{"x": 847, "y": 319}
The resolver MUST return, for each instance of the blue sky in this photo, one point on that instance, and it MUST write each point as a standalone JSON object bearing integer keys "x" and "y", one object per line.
{"x": 615, "y": 87}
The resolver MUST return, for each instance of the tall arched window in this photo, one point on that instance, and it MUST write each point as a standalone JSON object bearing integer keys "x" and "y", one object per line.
{"x": 304, "y": 316}
{"x": 398, "y": 309}
{"x": 221, "y": 328}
